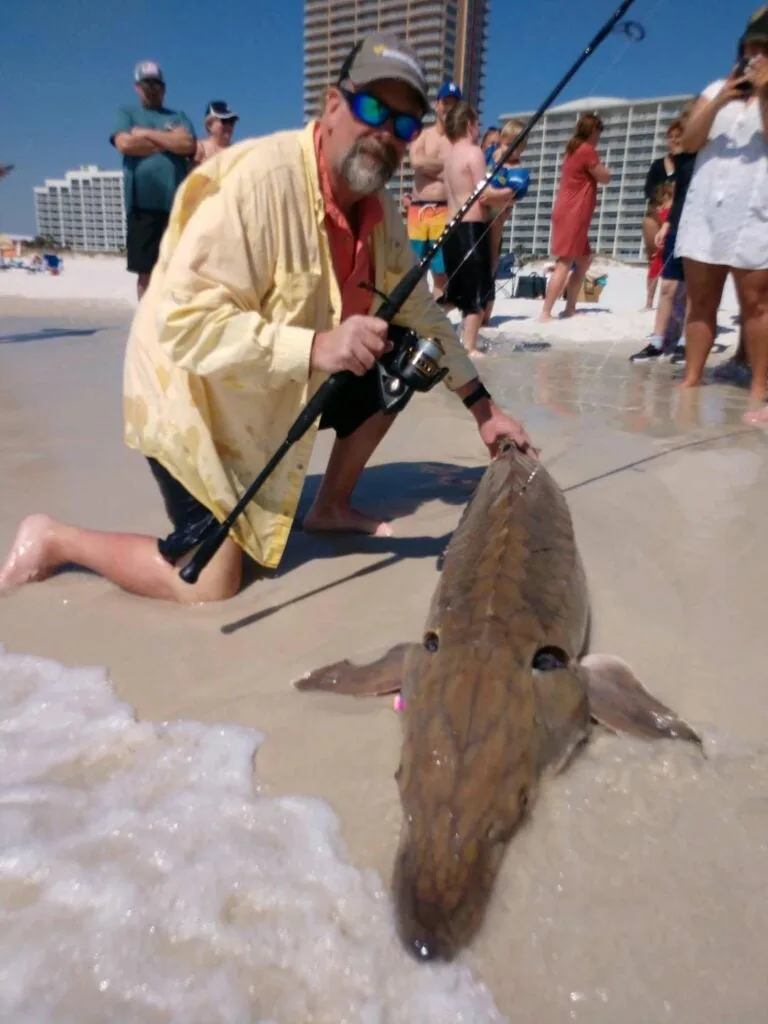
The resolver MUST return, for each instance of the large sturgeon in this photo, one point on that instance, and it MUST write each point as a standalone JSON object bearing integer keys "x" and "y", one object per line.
{"x": 495, "y": 698}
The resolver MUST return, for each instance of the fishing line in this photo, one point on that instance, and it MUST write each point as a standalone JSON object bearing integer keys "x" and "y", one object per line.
{"x": 414, "y": 363}
{"x": 633, "y": 32}
{"x": 658, "y": 455}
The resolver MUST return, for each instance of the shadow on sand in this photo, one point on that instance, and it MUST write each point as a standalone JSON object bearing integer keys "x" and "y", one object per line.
{"x": 49, "y": 333}
{"x": 394, "y": 490}
{"x": 499, "y": 320}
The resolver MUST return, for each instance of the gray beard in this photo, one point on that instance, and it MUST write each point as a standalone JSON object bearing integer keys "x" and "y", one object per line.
{"x": 367, "y": 167}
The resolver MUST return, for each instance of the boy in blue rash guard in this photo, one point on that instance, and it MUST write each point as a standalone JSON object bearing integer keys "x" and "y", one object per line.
{"x": 513, "y": 176}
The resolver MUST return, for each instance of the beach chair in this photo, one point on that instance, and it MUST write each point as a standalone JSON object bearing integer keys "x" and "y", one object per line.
{"x": 506, "y": 274}
{"x": 53, "y": 263}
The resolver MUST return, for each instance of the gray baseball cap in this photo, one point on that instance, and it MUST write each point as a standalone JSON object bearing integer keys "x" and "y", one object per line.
{"x": 148, "y": 70}
{"x": 378, "y": 56}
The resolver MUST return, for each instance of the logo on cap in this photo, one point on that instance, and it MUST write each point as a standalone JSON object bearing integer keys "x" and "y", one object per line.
{"x": 449, "y": 90}
{"x": 148, "y": 69}
{"x": 385, "y": 51}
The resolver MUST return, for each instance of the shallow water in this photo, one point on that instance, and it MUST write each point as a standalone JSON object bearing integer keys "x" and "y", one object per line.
{"x": 636, "y": 894}
{"x": 143, "y": 880}
{"x": 599, "y": 383}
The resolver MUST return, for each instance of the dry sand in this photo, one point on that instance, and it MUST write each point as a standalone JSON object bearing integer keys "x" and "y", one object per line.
{"x": 97, "y": 283}
{"x": 635, "y": 894}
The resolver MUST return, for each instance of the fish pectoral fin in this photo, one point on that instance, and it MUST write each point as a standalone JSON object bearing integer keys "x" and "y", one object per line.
{"x": 376, "y": 679}
{"x": 620, "y": 702}
{"x": 562, "y": 717}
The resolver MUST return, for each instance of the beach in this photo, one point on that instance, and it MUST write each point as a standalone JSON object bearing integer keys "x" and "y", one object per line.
{"x": 93, "y": 282}
{"x": 188, "y": 838}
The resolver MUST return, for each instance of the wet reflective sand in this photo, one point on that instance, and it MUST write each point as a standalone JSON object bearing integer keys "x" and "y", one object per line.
{"x": 635, "y": 894}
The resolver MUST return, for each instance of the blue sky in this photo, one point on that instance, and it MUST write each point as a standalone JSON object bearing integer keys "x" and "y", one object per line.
{"x": 60, "y": 97}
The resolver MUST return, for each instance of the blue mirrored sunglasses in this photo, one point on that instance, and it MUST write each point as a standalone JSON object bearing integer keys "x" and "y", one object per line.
{"x": 374, "y": 113}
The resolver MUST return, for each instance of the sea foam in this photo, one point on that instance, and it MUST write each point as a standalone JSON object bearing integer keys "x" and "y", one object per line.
{"x": 145, "y": 879}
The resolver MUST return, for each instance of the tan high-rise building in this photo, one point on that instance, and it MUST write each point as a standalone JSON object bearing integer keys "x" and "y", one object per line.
{"x": 450, "y": 37}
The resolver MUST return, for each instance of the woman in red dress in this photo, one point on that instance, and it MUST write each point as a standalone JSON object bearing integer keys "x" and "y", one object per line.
{"x": 572, "y": 213}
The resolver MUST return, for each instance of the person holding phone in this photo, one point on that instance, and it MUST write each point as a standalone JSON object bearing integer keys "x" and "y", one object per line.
{"x": 724, "y": 224}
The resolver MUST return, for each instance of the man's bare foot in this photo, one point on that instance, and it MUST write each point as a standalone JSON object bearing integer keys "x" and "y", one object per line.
{"x": 344, "y": 520}
{"x": 546, "y": 318}
{"x": 30, "y": 556}
{"x": 475, "y": 353}
{"x": 684, "y": 384}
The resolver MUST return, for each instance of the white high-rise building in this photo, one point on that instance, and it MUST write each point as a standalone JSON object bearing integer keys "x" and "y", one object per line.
{"x": 84, "y": 210}
{"x": 634, "y": 136}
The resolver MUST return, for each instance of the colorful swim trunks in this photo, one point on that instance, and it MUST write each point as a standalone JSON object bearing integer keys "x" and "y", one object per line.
{"x": 426, "y": 222}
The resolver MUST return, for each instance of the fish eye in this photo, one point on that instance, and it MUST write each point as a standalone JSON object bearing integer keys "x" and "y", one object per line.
{"x": 431, "y": 641}
{"x": 549, "y": 659}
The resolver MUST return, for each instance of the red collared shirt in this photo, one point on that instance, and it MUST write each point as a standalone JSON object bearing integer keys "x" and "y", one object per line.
{"x": 350, "y": 251}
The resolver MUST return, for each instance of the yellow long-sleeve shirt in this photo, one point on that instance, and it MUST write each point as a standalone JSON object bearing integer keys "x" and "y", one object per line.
{"x": 217, "y": 362}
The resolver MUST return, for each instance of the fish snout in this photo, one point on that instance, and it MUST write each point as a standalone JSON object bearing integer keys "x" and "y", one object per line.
{"x": 423, "y": 934}
{"x": 426, "y": 949}
{"x": 431, "y": 920}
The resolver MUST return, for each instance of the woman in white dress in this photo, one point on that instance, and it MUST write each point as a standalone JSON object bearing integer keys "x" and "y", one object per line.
{"x": 724, "y": 225}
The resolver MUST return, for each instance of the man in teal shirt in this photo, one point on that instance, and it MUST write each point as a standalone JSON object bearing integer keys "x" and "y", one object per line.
{"x": 157, "y": 144}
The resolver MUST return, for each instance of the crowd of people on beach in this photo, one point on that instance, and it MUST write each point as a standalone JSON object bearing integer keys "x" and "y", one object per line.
{"x": 159, "y": 148}
{"x": 258, "y": 265}
{"x": 706, "y": 219}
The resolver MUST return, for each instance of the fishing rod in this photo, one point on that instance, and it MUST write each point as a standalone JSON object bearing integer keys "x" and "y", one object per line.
{"x": 414, "y": 363}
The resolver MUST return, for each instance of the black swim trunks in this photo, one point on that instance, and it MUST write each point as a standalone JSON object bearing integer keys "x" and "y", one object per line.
{"x": 352, "y": 405}
{"x": 189, "y": 517}
{"x": 144, "y": 233}
{"x": 355, "y": 402}
{"x": 469, "y": 266}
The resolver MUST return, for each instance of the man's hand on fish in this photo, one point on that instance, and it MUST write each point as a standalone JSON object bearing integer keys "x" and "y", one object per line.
{"x": 496, "y": 426}
{"x": 501, "y": 427}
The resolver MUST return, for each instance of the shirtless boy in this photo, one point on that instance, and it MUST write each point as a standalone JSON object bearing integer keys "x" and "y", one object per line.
{"x": 468, "y": 251}
{"x": 426, "y": 212}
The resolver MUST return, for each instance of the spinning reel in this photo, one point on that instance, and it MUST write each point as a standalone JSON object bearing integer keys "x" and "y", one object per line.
{"x": 412, "y": 365}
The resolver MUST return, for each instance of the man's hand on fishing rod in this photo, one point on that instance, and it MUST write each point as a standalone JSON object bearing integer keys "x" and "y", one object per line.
{"x": 495, "y": 425}
{"x": 354, "y": 345}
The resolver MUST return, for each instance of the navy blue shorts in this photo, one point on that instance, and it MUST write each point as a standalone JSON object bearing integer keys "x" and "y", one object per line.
{"x": 672, "y": 269}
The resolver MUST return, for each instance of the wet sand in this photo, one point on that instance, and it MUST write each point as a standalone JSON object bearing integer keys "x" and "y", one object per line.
{"x": 635, "y": 893}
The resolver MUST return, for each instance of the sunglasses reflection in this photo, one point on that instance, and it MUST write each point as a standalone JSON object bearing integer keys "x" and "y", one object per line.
{"x": 375, "y": 113}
